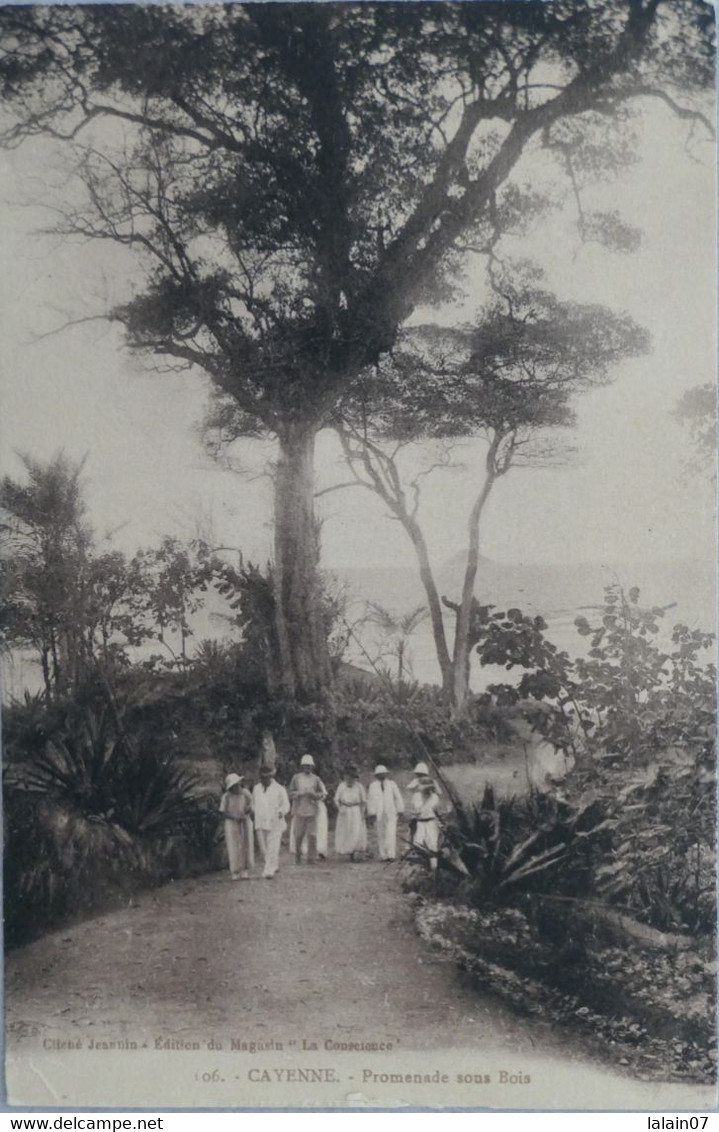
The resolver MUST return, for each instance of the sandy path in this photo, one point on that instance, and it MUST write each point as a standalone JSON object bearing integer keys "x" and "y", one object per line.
{"x": 322, "y": 952}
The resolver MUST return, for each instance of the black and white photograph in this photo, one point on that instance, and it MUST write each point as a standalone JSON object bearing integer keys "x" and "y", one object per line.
{"x": 358, "y": 573}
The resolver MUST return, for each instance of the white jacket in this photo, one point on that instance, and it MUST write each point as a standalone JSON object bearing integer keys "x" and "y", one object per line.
{"x": 271, "y": 806}
{"x": 384, "y": 799}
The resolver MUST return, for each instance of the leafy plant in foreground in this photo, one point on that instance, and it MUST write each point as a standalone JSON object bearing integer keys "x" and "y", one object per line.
{"x": 640, "y": 718}
{"x": 511, "y": 846}
{"x": 97, "y": 815}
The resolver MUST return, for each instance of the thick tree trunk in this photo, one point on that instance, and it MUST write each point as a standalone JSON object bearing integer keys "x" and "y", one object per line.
{"x": 301, "y": 625}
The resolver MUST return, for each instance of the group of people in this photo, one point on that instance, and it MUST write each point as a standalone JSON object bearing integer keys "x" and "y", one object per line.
{"x": 263, "y": 812}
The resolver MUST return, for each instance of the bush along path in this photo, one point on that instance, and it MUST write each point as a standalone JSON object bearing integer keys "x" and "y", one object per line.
{"x": 651, "y": 1013}
{"x": 593, "y": 899}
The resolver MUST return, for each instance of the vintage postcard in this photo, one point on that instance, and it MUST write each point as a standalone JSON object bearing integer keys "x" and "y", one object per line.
{"x": 358, "y": 554}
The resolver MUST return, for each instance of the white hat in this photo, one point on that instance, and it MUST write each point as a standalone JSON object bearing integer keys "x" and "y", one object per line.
{"x": 232, "y": 780}
{"x": 268, "y": 770}
{"x": 421, "y": 768}
{"x": 381, "y": 769}
{"x": 307, "y": 760}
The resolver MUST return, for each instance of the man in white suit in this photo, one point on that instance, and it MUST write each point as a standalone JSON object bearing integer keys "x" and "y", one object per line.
{"x": 385, "y": 804}
{"x": 271, "y": 806}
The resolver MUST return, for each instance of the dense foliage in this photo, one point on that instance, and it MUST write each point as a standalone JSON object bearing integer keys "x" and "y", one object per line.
{"x": 697, "y": 412}
{"x": 636, "y": 693}
{"x": 594, "y": 898}
{"x": 636, "y": 717}
{"x": 77, "y": 608}
{"x": 107, "y": 814}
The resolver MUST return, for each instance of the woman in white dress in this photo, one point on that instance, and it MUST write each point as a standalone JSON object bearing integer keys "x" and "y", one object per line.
{"x": 351, "y": 803}
{"x": 236, "y": 810}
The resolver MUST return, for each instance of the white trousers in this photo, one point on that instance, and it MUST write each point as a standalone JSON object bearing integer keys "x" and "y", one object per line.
{"x": 427, "y": 835}
{"x": 387, "y": 837}
{"x": 270, "y": 840}
{"x": 321, "y": 827}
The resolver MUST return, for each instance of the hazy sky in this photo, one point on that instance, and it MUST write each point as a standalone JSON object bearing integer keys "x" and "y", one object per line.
{"x": 147, "y": 475}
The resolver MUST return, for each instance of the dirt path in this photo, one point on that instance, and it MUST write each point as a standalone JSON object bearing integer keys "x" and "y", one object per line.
{"x": 327, "y": 951}
{"x": 325, "y": 955}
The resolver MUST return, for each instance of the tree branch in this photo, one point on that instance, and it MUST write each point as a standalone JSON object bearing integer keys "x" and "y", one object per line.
{"x": 107, "y": 317}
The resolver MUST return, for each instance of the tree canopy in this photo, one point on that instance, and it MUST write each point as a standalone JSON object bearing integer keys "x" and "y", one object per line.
{"x": 296, "y": 178}
{"x": 513, "y": 369}
{"x": 697, "y": 412}
{"x": 296, "y": 175}
{"x": 509, "y": 378}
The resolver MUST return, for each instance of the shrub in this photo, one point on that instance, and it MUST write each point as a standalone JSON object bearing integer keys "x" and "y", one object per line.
{"x": 510, "y": 847}
{"x": 94, "y": 818}
{"x": 628, "y": 697}
{"x": 641, "y": 723}
{"x": 661, "y": 864}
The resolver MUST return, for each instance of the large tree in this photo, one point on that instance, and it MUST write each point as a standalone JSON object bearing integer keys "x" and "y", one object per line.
{"x": 508, "y": 380}
{"x": 296, "y": 178}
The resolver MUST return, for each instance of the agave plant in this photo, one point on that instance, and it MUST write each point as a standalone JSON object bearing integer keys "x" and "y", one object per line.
{"x": 510, "y": 847}
{"x": 106, "y": 776}
{"x": 28, "y": 723}
{"x": 58, "y": 862}
{"x": 74, "y": 769}
{"x": 97, "y": 814}
{"x": 154, "y": 796}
